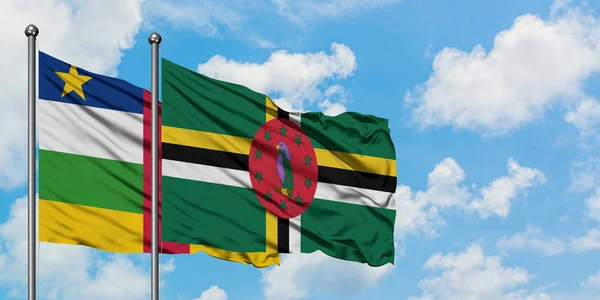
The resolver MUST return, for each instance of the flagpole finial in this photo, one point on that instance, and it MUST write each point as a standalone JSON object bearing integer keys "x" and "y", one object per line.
{"x": 154, "y": 38}
{"x": 32, "y": 30}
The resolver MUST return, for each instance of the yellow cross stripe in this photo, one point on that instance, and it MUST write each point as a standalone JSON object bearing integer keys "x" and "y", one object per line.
{"x": 271, "y": 219}
{"x": 271, "y": 233}
{"x": 100, "y": 228}
{"x": 271, "y": 110}
{"x": 257, "y": 259}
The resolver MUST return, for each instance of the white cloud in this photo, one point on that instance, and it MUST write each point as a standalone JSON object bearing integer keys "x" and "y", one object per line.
{"x": 415, "y": 214}
{"x": 444, "y": 185}
{"x": 532, "y": 239}
{"x": 90, "y": 275}
{"x": 427, "y": 53}
{"x": 330, "y": 105}
{"x": 559, "y": 6}
{"x": 301, "y": 11}
{"x": 589, "y": 242}
{"x": 472, "y": 275}
{"x": 213, "y": 293}
{"x": 331, "y": 109}
{"x": 298, "y": 78}
{"x": 496, "y": 196}
{"x": 523, "y": 295}
{"x": 420, "y": 211}
{"x": 585, "y": 174}
{"x": 592, "y": 204}
{"x": 215, "y": 19}
{"x": 531, "y": 66}
{"x": 585, "y": 117}
{"x": 303, "y": 274}
{"x": 592, "y": 282}
{"x": 202, "y": 16}
{"x": 68, "y": 30}
{"x": 261, "y": 42}
{"x": 168, "y": 266}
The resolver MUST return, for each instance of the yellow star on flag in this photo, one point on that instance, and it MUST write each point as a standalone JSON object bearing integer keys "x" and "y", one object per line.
{"x": 73, "y": 82}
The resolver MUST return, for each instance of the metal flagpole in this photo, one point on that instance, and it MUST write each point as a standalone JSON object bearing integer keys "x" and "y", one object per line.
{"x": 31, "y": 32}
{"x": 154, "y": 39}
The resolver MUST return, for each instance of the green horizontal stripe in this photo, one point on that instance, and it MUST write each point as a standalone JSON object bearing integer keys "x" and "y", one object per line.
{"x": 349, "y": 132}
{"x": 201, "y": 213}
{"x": 91, "y": 181}
{"x": 193, "y": 101}
{"x": 350, "y": 232}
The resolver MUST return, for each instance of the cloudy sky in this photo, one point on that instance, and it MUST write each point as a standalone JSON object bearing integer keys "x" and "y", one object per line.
{"x": 494, "y": 110}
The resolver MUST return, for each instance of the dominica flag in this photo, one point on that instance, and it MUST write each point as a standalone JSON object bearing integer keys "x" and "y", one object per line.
{"x": 242, "y": 176}
{"x": 95, "y": 162}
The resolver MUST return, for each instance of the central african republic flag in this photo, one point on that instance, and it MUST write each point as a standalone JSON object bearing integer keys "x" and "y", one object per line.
{"x": 245, "y": 180}
{"x": 94, "y": 140}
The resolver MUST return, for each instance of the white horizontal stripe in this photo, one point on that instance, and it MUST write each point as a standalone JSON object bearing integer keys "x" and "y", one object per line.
{"x": 90, "y": 131}
{"x": 294, "y": 234}
{"x": 205, "y": 173}
{"x": 325, "y": 191}
{"x": 354, "y": 195}
{"x": 295, "y": 117}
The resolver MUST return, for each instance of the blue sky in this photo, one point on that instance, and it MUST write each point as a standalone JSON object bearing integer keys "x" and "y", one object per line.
{"x": 493, "y": 109}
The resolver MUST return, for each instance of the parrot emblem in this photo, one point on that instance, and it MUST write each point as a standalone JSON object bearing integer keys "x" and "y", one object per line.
{"x": 284, "y": 169}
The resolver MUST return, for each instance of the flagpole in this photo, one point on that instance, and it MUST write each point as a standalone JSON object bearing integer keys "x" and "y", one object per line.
{"x": 154, "y": 39}
{"x": 31, "y": 32}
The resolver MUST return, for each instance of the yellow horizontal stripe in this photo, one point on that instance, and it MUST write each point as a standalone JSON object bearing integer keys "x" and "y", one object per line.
{"x": 206, "y": 140}
{"x": 356, "y": 162}
{"x": 257, "y": 259}
{"x": 103, "y": 229}
{"x": 240, "y": 145}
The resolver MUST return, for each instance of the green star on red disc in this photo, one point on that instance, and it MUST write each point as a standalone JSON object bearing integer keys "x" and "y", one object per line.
{"x": 283, "y": 131}
{"x": 258, "y": 176}
{"x": 307, "y": 160}
{"x": 258, "y": 153}
{"x": 277, "y": 168}
{"x": 267, "y": 136}
{"x": 307, "y": 182}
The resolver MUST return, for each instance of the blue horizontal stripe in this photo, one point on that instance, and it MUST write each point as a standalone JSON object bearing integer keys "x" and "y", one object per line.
{"x": 100, "y": 91}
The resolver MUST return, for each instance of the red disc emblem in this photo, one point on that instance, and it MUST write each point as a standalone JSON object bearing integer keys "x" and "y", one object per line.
{"x": 283, "y": 168}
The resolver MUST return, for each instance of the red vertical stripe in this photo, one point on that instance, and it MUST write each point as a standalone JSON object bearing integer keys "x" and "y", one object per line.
{"x": 164, "y": 247}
